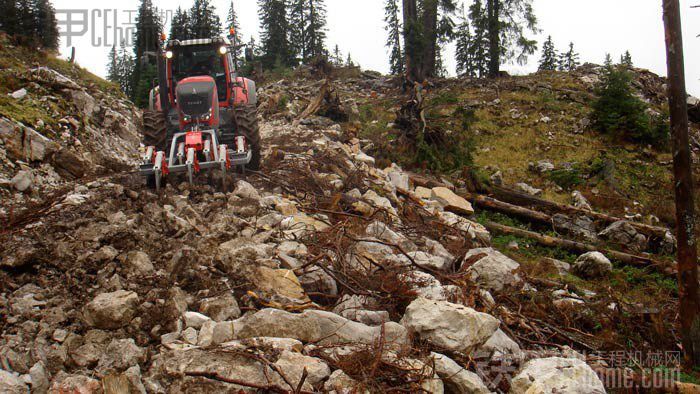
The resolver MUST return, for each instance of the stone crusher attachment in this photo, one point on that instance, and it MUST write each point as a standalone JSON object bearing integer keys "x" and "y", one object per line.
{"x": 202, "y": 116}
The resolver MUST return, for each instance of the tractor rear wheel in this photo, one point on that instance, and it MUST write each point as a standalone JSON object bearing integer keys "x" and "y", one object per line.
{"x": 247, "y": 121}
{"x": 155, "y": 133}
{"x": 155, "y": 130}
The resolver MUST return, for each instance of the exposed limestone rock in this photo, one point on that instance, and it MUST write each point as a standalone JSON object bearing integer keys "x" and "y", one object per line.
{"x": 592, "y": 265}
{"x": 560, "y": 375}
{"x": 492, "y": 269}
{"x": 450, "y": 326}
{"x": 451, "y": 202}
{"x": 220, "y": 308}
{"x": 111, "y": 310}
{"x": 457, "y": 379}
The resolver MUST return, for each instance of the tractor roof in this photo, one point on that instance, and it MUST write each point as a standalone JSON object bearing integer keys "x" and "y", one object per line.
{"x": 201, "y": 41}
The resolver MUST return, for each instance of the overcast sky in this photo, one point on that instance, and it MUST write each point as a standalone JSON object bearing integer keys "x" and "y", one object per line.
{"x": 596, "y": 27}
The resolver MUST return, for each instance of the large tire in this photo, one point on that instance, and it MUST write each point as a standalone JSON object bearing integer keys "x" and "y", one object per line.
{"x": 247, "y": 121}
{"x": 155, "y": 130}
{"x": 155, "y": 133}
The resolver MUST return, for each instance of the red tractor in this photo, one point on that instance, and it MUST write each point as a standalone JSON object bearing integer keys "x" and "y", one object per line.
{"x": 202, "y": 115}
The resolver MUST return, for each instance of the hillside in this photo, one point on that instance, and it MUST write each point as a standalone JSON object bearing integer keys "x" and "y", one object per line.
{"x": 344, "y": 265}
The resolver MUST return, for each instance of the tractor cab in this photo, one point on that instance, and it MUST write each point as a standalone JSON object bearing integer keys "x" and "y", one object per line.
{"x": 205, "y": 113}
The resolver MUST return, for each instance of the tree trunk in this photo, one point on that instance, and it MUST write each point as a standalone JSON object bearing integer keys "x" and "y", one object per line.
{"x": 689, "y": 306}
{"x": 494, "y": 37}
{"x": 430, "y": 16}
{"x": 411, "y": 39}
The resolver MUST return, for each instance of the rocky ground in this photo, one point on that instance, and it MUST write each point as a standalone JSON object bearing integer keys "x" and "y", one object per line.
{"x": 327, "y": 271}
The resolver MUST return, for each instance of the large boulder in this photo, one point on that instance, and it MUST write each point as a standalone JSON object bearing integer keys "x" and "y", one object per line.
{"x": 492, "y": 269}
{"x": 111, "y": 310}
{"x": 314, "y": 326}
{"x": 450, "y": 326}
{"x": 500, "y": 346}
{"x": 557, "y": 375}
{"x": 11, "y": 383}
{"x": 451, "y": 202}
{"x": 624, "y": 234}
{"x": 592, "y": 265}
{"x": 581, "y": 227}
{"x": 458, "y": 380}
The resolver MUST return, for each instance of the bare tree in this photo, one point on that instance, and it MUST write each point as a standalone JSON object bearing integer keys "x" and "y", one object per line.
{"x": 689, "y": 308}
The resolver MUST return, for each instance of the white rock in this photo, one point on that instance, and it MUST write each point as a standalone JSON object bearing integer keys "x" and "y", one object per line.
{"x": 355, "y": 308}
{"x": 11, "y": 383}
{"x": 493, "y": 270}
{"x": 592, "y": 265}
{"x": 293, "y": 365}
{"x": 500, "y": 346}
{"x": 220, "y": 308}
{"x": 451, "y": 202}
{"x": 19, "y": 94}
{"x": 111, "y": 310}
{"x": 450, "y": 326}
{"x": 475, "y": 230}
{"x": 580, "y": 201}
{"x": 557, "y": 375}
{"x": 380, "y": 230}
{"x": 364, "y": 158}
{"x": 527, "y": 189}
{"x": 23, "y": 180}
{"x": 340, "y": 383}
{"x": 190, "y": 336}
{"x": 456, "y": 378}
{"x": 246, "y": 190}
{"x": 195, "y": 319}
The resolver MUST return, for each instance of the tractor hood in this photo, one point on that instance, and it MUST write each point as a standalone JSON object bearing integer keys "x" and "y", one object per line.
{"x": 197, "y": 96}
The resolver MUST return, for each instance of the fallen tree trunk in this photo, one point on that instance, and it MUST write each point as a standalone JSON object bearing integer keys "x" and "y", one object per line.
{"x": 579, "y": 247}
{"x": 510, "y": 209}
{"x": 316, "y": 103}
{"x": 522, "y": 199}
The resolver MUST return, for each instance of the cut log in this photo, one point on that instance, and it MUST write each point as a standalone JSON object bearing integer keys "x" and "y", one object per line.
{"x": 510, "y": 209}
{"x": 315, "y": 104}
{"x": 522, "y": 199}
{"x": 579, "y": 247}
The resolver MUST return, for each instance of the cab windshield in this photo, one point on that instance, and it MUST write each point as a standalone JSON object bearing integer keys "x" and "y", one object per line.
{"x": 200, "y": 60}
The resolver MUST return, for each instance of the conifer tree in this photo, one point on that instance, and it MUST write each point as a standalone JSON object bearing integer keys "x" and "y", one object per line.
{"x": 46, "y": 24}
{"x": 179, "y": 26}
{"x": 626, "y": 60}
{"x": 297, "y": 28}
{"x": 569, "y": 60}
{"x": 474, "y": 50}
{"x": 203, "y": 20}
{"x": 113, "y": 65}
{"x": 337, "y": 57}
{"x": 274, "y": 27}
{"x": 233, "y": 23}
{"x": 608, "y": 63}
{"x": 125, "y": 69}
{"x": 349, "y": 62}
{"x": 393, "y": 42}
{"x": 506, "y": 23}
{"x": 463, "y": 41}
{"x": 9, "y": 23}
{"x": 550, "y": 58}
{"x": 316, "y": 29}
{"x": 146, "y": 41}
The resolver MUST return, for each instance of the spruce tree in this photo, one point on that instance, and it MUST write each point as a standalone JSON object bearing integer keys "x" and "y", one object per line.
{"x": 478, "y": 49}
{"x": 203, "y": 20}
{"x": 569, "y": 60}
{"x": 9, "y": 23}
{"x": 337, "y": 57}
{"x": 608, "y": 63}
{"x": 113, "y": 65}
{"x": 125, "y": 69}
{"x": 46, "y": 24}
{"x": 550, "y": 58}
{"x": 464, "y": 38}
{"x": 274, "y": 28}
{"x": 179, "y": 26}
{"x": 626, "y": 60}
{"x": 393, "y": 42}
{"x": 233, "y": 23}
{"x": 349, "y": 62}
{"x": 507, "y": 22}
{"x": 297, "y": 28}
{"x": 146, "y": 41}
{"x": 316, "y": 29}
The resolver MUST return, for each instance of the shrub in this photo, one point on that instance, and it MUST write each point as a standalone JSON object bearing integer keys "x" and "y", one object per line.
{"x": 618, "y": 112}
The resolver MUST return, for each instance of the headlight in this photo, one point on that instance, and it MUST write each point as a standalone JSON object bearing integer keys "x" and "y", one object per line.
{"x": 223, "y": 50}
{"x": 169, "y": 54}
{"x": 186, "y": 118}
{"x": 206, "y": 117}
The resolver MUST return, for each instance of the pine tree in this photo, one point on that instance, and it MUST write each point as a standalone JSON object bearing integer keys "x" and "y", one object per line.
{"x": 569, "y": 60}
{"x": 337, "y": 57}
{"x": 113, "y": 65}
{"x": 316, "y": 29}
{"x": 179, "y": 26}
{"x": 349, "y": 62}
{"x": 297, "y": 28}
{"x": 125, "y": 69}
{"x": 46, "y": 24}
{"x": 9, "y": 23}
{"x": 626, "y": 60}
{"x": 464, "y": 39}
{"x": 506, "y": 24}
{"x": 232, "y": 23}
{"x": 146, "y": 41}
{"x": 27, "y": 23}
{"x": 440, "y": 69}
{"x": 397, "y": 62}
{"x": 274, "y": 27}
{"x": 608, "y": 63}
{"x": 550, "y": 58}
{"x": 478, "y": 51}
{"x": 204, "y": 22}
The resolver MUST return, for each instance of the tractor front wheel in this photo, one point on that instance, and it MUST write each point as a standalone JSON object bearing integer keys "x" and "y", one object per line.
{"x": 247, "y": 121}
{"x": 155, "y": 133}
